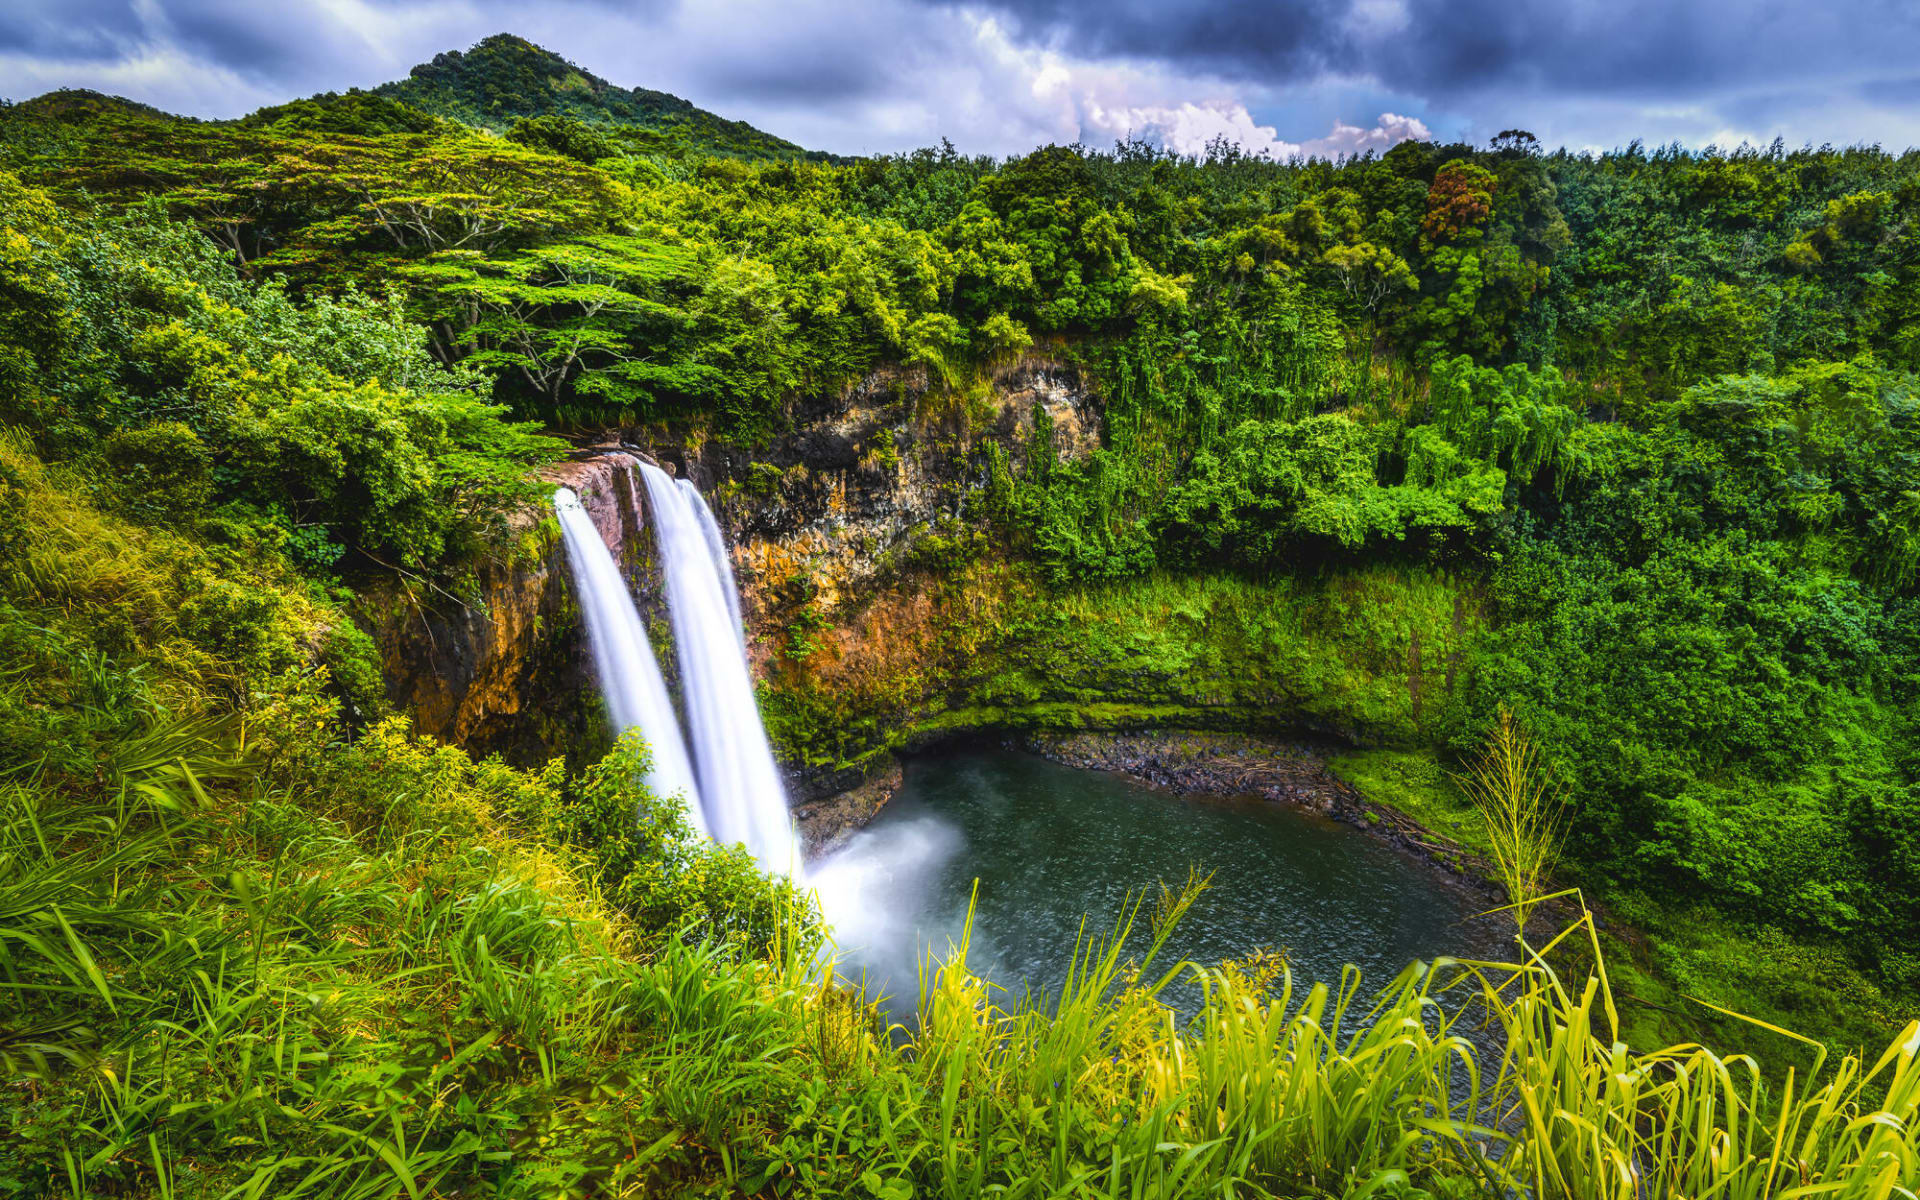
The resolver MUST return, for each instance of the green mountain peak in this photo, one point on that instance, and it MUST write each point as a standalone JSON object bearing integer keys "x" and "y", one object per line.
{"x": 504, "y": 79}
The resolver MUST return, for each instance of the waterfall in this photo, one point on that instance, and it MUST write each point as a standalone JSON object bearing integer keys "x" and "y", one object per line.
{"x": 739, "y": 783}
{"x": 722, "y": 562}
{"x": 623, "y": 658}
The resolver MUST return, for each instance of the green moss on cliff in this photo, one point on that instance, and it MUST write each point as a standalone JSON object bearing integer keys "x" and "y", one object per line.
{"x": 1371, "y": 654}
{"x": 1416, "y": 783}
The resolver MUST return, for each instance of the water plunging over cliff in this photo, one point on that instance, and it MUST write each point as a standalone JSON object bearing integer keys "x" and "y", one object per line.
{"x": 722, "y": 562}
{"x": 739, "y": 784}
{"x": 623, "y": 658}
{"x": 738, "y": 797}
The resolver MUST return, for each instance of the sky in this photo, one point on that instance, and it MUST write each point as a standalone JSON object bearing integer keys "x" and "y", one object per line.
{"x": 1324, "y": 77}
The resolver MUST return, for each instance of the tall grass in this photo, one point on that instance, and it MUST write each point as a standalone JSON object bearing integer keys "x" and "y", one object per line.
{"x": 215, "y": 990}
{"x": 1274, "y": 1090}
{"x": 1524, "y": 812}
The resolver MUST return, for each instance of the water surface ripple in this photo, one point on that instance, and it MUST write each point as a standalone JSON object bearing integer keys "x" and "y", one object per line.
{"x": 1050, "y": 844}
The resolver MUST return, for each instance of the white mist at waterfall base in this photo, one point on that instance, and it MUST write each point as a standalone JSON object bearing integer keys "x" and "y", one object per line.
{"x": 739, "y": 783}
{"x": 877, "y": 898}
{"x": 623, "y": 659}
{"x": 722, "y": 562}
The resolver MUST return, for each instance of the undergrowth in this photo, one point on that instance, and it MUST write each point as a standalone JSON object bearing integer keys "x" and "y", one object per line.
{"x": 220, "y": 991}
{"x": 1663, "y": 950}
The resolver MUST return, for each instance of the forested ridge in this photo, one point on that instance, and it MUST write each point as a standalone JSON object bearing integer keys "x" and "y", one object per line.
{"x": 1653, "y": 410}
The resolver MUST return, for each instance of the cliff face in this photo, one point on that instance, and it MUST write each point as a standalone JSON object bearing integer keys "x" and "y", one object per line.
{"x": 820, "y": 516}
{"x": 882, "y": 614}
{"x": 506, "y": 670}
{"x": 812, "y": 518}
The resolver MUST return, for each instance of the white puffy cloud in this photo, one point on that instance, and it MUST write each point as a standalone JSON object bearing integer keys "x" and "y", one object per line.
{"x": 1388, "y": 132}
{"x": 1039, "y": 94}
{"x": 1187, "y": 128}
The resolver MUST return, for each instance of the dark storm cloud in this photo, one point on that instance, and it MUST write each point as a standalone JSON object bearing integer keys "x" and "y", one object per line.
{"x": 1290, "y": 37}
{"x": 1646, "y": 48}
{"x": 1431, "y": 48}
{"x": 289, "y": 44}
{"x": 857, "y": 75}
{"x": 1475, "y": 44}
{"x": 1439, "y": 48}
{"x": 83, "y": 29}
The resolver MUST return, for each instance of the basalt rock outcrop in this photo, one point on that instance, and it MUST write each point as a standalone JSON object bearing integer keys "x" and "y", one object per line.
{"x": 813, "y": 516}
{"x": 1187, "y": 762}
{"x": 828, "y": 505}
{"x": 504, "y": 668}
{"x": 828, "y": 818}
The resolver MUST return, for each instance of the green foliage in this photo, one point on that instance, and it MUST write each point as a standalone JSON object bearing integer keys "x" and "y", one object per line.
{"x": 225, "y": 978}
{"x": 1522, "y": 811}
{"x": 355, "y": 112}
{"x": 213, "y": 401}
{"x": 1625, "y": 441}
{"x": 1700, "y": 697}
{"x": 1640, "y": 274}
{"x": 641, "y": 852}
{"x": 564, "y": 135}
{"x": 1514, "y": 419}
{"x": 1043, "y": 212}
{"x": 353, "y": 661}
{"x": 1824, "y": 453}
{"x": 1375, "y": 655}
{"x": 634, "y": 324}
{"x": 1712, "y": 627}
{"x": 1288, "y": 490}
{"x": 94, "y": 608}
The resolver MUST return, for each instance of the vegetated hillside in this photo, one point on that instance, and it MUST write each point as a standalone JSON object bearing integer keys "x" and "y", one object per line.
{"x": 82, "y": 103}
{"x": 504, "y": 79}
{"x": 504, "y": 84}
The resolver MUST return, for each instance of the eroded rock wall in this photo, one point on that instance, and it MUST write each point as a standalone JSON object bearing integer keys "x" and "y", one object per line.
{"x": 826, "y": 508}
{"x": 882, "y": 616}
{"x": 813, "y": 517}
{"x": 504, "y": 668}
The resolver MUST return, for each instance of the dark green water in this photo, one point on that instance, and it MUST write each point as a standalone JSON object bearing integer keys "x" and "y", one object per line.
{"x": 1050, "y": 845}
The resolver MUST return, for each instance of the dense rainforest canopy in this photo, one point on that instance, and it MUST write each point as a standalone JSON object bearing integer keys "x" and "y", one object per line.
{"x": 1657, "y": 407}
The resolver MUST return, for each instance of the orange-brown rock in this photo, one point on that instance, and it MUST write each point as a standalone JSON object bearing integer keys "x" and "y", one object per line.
{"x": 816, "y": 518}
{"x": 503, "y": 667}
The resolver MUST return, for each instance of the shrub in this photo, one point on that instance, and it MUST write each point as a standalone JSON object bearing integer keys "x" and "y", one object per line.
{"x": 645, "y": 856}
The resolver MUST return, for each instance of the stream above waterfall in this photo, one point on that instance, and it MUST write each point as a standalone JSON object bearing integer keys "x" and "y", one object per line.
{"x": 1051, "y": 844}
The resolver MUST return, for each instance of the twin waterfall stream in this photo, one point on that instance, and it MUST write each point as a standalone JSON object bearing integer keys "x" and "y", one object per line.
{"x": 729, "y": 781}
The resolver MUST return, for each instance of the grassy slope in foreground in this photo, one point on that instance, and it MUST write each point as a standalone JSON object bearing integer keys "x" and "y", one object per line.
{"x": 247, "y": 997}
